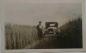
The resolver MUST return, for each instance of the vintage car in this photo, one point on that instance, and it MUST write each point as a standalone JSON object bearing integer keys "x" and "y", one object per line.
{"x": 51, "y": 29}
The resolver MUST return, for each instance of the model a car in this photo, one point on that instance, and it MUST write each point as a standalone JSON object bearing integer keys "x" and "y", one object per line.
{"x": 51, "y": 28}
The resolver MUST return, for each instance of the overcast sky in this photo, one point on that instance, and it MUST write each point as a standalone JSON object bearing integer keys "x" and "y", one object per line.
{"x": 29, "y": 12}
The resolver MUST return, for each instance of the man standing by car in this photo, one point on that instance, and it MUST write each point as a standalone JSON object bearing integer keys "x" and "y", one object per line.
{"x": 39, "y": 30}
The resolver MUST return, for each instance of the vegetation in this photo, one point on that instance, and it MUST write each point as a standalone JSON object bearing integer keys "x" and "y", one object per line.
{"x": 18, "y": 36}
{"x": 71, "y": 34}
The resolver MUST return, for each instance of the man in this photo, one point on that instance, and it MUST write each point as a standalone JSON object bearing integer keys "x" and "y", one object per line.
{"x": 39, "y": 30}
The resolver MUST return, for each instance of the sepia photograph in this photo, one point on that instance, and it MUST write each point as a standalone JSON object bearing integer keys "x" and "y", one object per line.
{"x": 41, "y": 24}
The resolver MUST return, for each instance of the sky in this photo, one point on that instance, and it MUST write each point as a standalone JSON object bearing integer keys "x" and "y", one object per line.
{"x": 29, "y": 12}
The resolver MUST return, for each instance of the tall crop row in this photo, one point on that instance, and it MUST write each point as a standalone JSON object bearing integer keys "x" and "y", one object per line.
{"x": 19, "y": 36}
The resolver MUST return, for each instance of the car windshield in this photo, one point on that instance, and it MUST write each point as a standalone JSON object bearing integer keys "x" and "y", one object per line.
{"x": 52, "y": 24}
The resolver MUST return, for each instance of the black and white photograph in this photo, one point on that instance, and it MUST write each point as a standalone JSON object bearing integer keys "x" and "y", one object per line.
{"x": 41, "y": 24}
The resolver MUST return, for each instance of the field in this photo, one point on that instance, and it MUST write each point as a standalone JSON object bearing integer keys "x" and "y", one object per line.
{"x": 19, "y": 36}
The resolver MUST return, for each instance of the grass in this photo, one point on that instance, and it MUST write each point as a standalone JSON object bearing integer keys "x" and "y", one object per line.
{"x": 18, "y": 36}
